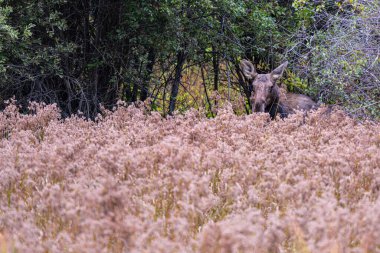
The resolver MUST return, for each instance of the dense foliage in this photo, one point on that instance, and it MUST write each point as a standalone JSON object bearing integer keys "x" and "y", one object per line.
{"x": 184, "y": 54}
{"x": 138, "y": 182}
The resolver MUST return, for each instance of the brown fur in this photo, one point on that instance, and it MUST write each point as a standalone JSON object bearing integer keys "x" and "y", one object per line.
{"x": 267, "y": 96}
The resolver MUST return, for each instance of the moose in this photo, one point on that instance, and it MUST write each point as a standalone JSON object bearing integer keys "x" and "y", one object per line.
{"x": 267, "y": 95}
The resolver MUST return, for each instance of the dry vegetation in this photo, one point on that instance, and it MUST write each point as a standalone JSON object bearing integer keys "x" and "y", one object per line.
{"x": 133, "y": 181}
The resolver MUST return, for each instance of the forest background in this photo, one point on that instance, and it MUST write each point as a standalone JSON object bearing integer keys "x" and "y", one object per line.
{"x": 177, "y": 54}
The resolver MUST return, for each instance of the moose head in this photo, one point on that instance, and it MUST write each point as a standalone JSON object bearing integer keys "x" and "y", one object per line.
{"x": 265, "y": 92}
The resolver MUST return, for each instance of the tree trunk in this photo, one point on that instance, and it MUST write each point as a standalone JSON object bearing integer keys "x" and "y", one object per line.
{"x": 215, "y": 63}
{"x": 246, "y": 88}
{"x": 181, "y": 56}
{"x": 206, "y": 93}
{"x": 149, "y": 70}
{"x": 134, "y": 92}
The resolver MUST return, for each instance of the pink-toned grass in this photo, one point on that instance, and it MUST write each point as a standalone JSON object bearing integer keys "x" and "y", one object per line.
{"x": 133, "y": 181}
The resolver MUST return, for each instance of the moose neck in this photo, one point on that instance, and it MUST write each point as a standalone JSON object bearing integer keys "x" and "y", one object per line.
{"x": 276, "y": 106}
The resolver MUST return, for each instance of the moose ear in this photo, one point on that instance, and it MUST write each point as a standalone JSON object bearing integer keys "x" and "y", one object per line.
{"x": 248, "y": 69}
{"x": 277, "y": 73}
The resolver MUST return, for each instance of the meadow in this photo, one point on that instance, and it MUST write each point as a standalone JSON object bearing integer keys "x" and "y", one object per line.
{"x": 133, "y": 181}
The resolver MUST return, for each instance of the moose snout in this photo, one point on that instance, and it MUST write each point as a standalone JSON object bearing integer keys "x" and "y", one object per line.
{"x": 259, "y": 106}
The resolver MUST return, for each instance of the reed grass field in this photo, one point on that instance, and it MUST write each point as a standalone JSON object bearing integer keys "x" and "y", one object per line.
{"x": 133, "y": 181}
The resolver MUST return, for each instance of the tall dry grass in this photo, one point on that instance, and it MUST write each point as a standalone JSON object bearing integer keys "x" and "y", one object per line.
{"x": 133, "y": 181}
